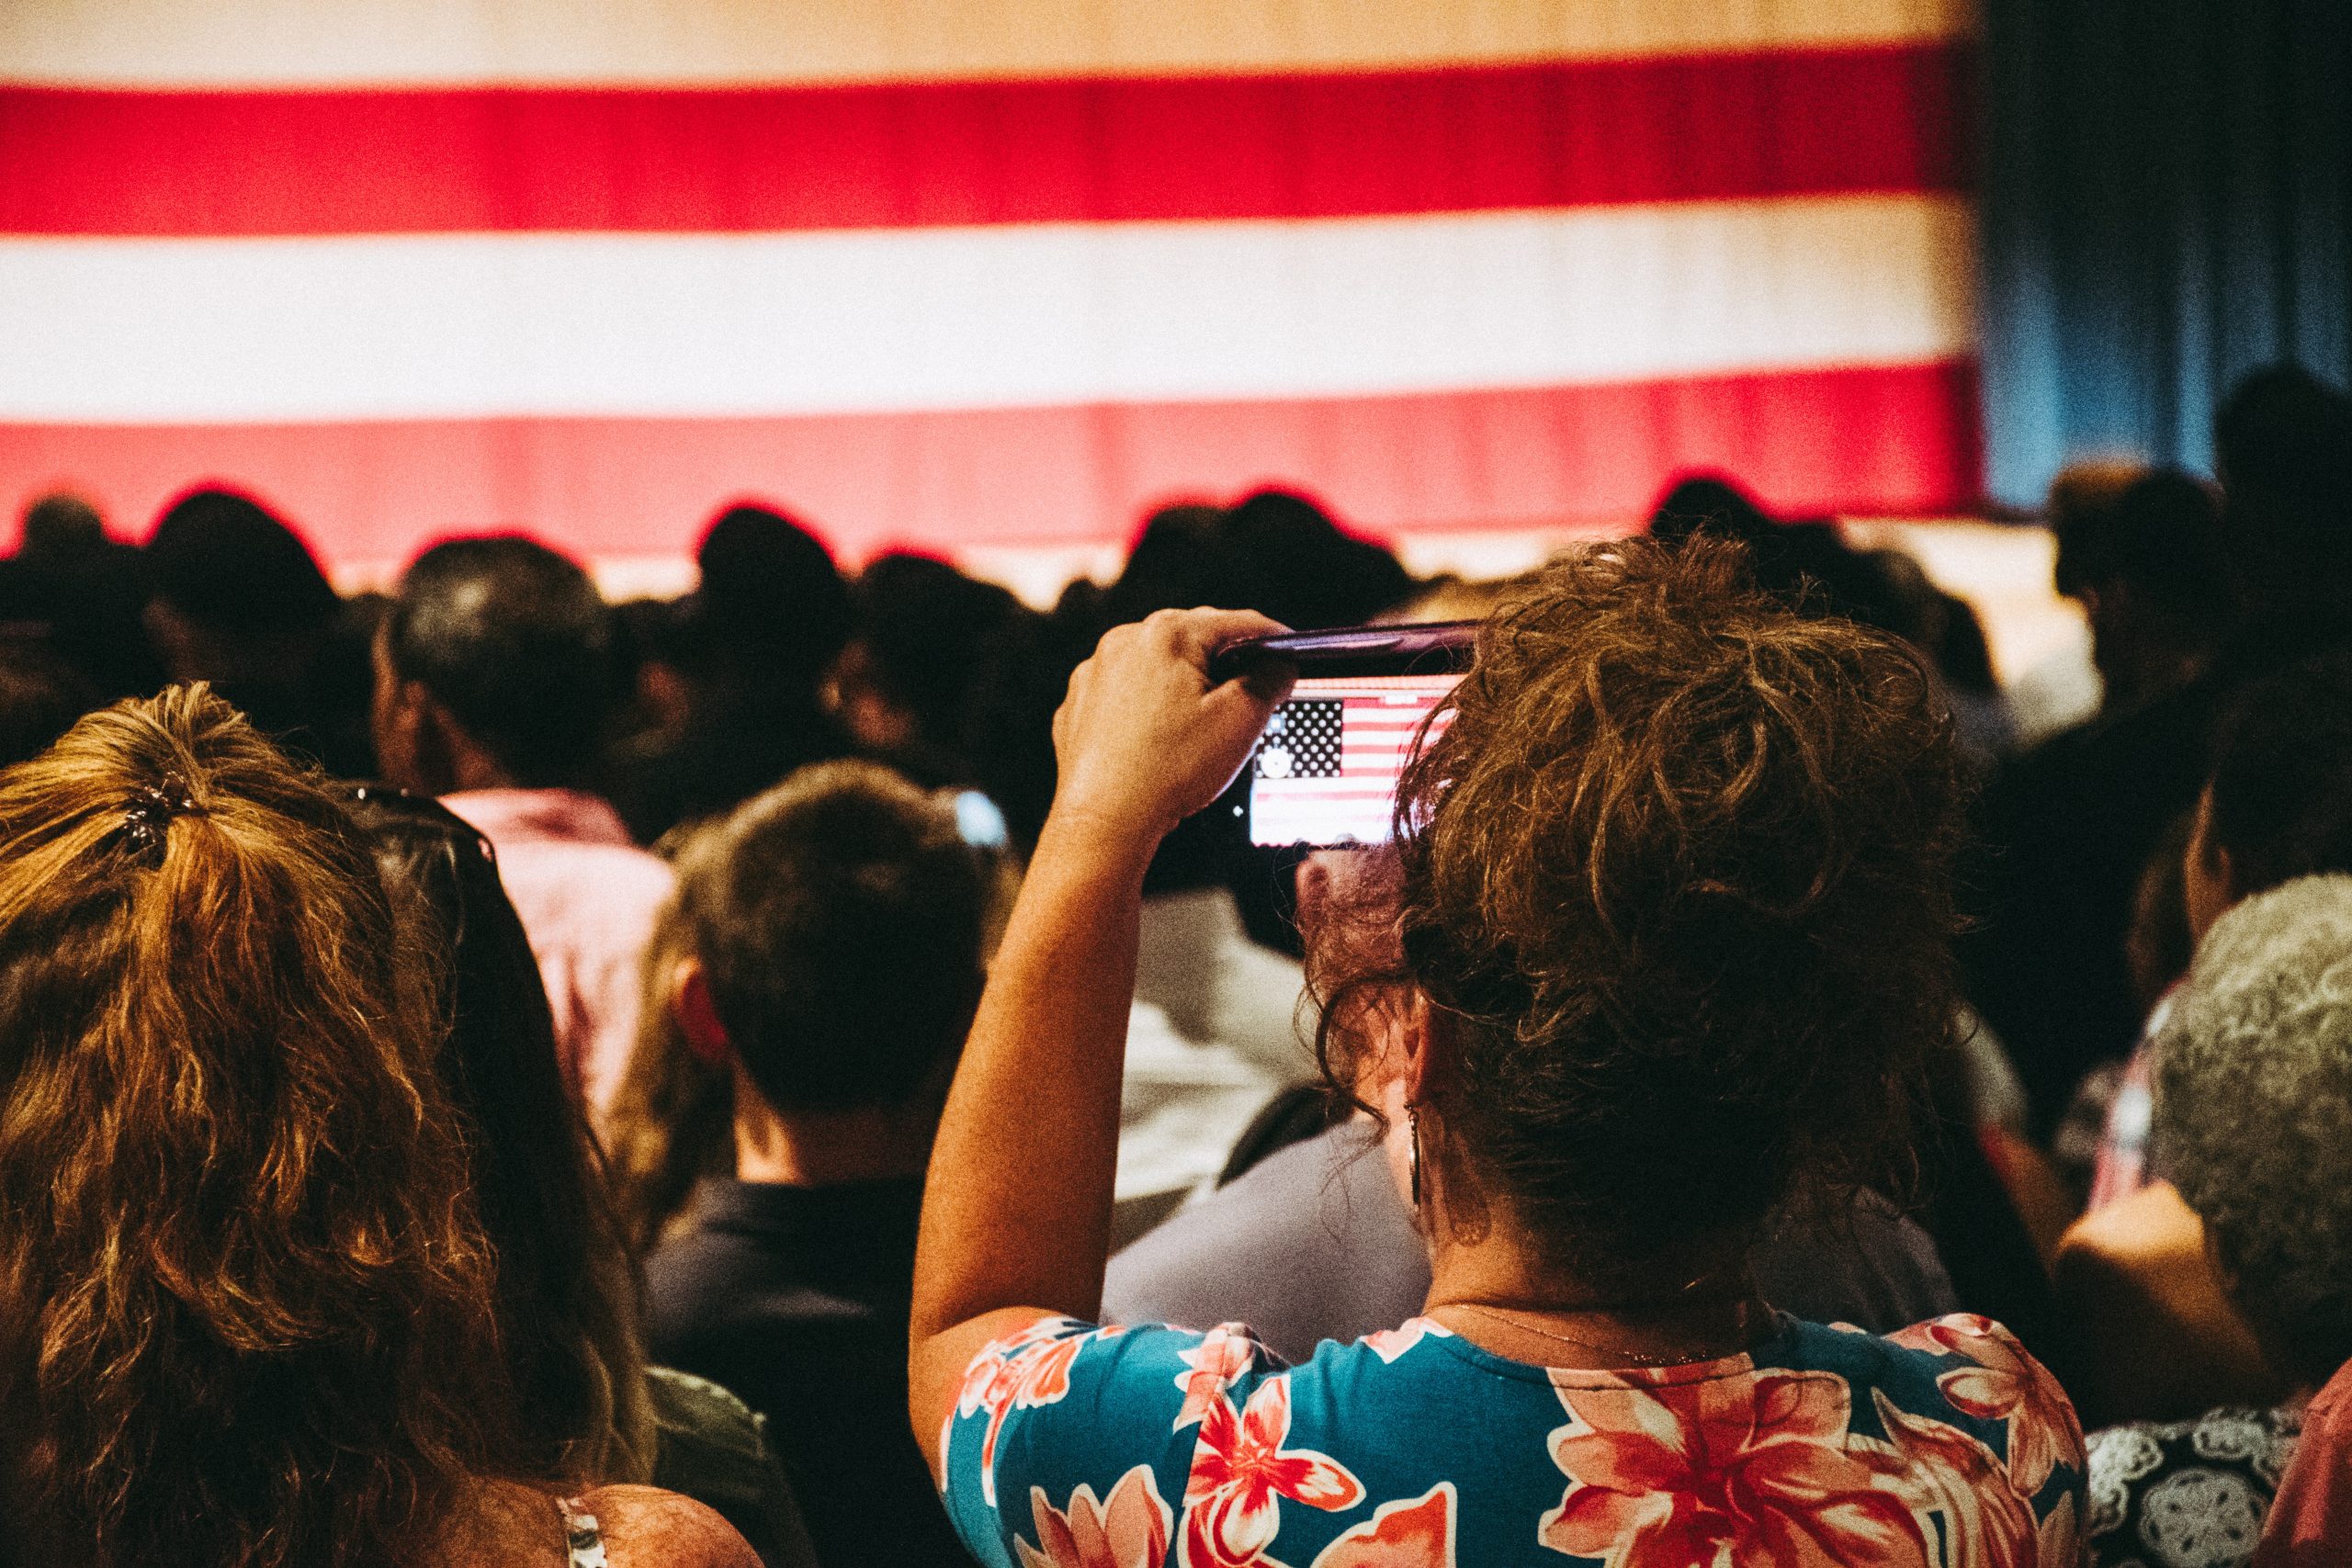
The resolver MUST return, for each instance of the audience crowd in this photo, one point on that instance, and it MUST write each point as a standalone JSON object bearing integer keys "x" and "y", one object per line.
{"x": 811, "y": 1072}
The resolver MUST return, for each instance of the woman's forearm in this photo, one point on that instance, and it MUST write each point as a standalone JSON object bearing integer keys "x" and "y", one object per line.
{"x": 1017, "y": 1208}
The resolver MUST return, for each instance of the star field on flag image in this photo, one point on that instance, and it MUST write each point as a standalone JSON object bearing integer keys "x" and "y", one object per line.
{"x": 1326, "y": 772}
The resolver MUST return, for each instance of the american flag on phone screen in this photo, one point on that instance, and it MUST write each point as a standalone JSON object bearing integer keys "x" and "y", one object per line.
{"x": 1326, "y": 772}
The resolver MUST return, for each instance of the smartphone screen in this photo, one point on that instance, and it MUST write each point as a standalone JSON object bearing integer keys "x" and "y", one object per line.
{"x": 1326, "y": 772}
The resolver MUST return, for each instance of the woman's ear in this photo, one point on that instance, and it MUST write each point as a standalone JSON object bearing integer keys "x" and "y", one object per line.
{"x": 1415, "y": 1024}
{"x": 696, "y": 1013}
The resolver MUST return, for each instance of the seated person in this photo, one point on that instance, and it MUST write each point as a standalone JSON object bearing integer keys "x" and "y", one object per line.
{"x": 252, "y": 1316}
{"x": 566, "y": 1291}
{"x": 831, "y": 936}
{"x": 1675, "y": 918}
{"x": 494, "y": 682}
{"x": 1313, "y": 1244}
{"x": 2133, "y": 1272}
{"x": 2254, "y": 1104}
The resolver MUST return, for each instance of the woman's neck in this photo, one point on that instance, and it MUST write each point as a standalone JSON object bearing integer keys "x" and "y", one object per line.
{"x": 1497, "y": 1292}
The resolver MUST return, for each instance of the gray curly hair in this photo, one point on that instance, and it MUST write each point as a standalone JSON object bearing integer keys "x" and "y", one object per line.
{"x": 2253, "y": 1110}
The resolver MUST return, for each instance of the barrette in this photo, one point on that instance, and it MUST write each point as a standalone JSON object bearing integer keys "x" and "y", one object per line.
{"x": 147, "y": 817}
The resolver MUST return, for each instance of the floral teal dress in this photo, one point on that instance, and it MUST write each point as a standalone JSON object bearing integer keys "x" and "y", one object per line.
{"x": 1946, "y": 1445}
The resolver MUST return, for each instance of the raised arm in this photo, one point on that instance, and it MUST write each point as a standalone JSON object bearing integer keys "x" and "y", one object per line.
{"x": 1016, "y": 1212}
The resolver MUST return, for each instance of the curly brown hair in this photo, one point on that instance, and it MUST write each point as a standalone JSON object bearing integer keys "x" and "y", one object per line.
{"x": 247, "y": 1307}
{"x": 1674, "y": 879}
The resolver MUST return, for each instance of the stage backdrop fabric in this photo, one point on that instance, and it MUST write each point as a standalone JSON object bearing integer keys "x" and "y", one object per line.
{"x": 988, "y": 272}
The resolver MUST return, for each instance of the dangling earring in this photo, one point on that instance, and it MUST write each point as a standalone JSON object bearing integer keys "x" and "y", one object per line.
{"x": 1413, "y": 1153}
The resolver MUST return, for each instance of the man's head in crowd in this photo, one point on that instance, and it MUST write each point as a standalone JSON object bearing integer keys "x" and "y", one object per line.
{"x": 834, "y": 928}
{"x": 2145, "y": 560}
{"x": 2279, "y": 804}
{"x": 2254, "y": 1106}
{"x": 494, "y": 668}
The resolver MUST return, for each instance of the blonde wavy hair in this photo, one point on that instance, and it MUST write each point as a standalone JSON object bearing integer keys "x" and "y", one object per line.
{"x": 246, "y": 1311}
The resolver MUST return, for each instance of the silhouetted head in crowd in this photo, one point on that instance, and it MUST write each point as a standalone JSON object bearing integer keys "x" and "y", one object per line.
{"x": 2283, "y": 446}
{"x": 566, "y": 1292}
{"x": 238, "y": 600}
{"x": 1184, "y": 558}
{"x": 233, "y": 586}
{"x": 494, "y": 668}
{"x": 730, "y": 678}
{"x": 246, "y": 1312}
{"x": 1676, "y": 893}
{"x": 1304, "y": 570}
{"x": 834, "y": 928}
{"x": 82, "y": 594}
{"x": 770, "y": 592}
{"x": 2253, "y": 1110}
{"x": 1805, "y": 562}
{"x": 951, "y": 680}
{"x": 40, "y": 697}
{"x": 2147, "y": 564}
{"x": 2279, "y": 804}
{"x": 62, "y": 528}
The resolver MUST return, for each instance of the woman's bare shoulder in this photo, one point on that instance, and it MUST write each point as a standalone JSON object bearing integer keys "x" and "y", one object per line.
{"x": 645, "y": 1527}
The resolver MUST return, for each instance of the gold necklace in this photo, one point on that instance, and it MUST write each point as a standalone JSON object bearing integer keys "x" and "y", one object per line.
{"x": 1630, "y": 1356}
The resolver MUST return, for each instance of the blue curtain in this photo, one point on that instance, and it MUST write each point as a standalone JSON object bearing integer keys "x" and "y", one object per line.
{"x": 2167, "y": 205}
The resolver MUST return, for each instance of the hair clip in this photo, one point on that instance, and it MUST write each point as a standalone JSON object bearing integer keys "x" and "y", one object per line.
{"x": 147, "y": 817}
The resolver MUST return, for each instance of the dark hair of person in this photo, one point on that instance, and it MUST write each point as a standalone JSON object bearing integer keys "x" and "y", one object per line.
{"x": 1802, "y": 561}
{"x": 40, "y": 697}
{"x": 2283, "y": 445}
{"x": 976, "y": 671}
{"x": 1674, "y": 880}
{"x": 246, "y": 1311}
{"x": 1184, "y": 558}
{"x": 770, "y": 589}
{"x": 567, "y": 1290}
{"x": 2161, "y": 537}
{"x": 225, "y": 562}
{"x": 839, "y": 919}
{"x": 1305, "y": 570}
{"x": 513, "y": 638}
{"x": 2282, "y": 776}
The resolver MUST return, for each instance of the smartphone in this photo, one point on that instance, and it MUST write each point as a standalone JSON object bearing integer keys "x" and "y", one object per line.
{"x": 1325, "y": 772}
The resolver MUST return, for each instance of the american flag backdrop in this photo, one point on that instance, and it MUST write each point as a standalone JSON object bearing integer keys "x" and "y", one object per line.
{"x": 963, "y": 272}
{"x": 1326, "y": 772}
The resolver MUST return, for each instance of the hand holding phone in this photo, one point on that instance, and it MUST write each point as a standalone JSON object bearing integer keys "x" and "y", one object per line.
{"x": 1146, "y": 736}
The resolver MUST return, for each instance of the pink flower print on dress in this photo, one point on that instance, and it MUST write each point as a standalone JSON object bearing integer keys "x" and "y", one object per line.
{"x": 1223, "y": 1353}
{"x": 1390, "y": 1343}
{"x": 1740, "y": 1471}
{"x": 1127, "y": 1530}
{"x": 1957, "y": 1491}
{"x": 2006, "y": 1384}
{"x": 1240, "y": 1475}
{"x": 1416, "y": 1533}
{"x": 1022, "y": 1372}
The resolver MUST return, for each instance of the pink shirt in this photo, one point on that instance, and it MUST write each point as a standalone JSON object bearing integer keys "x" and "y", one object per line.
{"x": 588, "y": 897}
{"x": 2310, "y": 1524}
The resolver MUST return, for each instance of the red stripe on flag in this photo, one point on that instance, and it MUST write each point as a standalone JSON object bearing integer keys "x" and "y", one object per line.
{"x": 1898, "y": 440}
{"x": 1336, "y": 145}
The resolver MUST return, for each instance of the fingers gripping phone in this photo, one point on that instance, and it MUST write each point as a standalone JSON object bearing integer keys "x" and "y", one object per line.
{"x": 1324, "y": 773}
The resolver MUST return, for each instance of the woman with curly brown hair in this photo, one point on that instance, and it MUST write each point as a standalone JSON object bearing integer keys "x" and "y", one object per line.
{"x": 247, "y": 1313}
{"x": 1675, "y": 916}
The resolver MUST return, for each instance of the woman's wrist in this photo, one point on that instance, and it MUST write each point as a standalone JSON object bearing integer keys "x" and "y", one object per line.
{"x": 1083, "y": 840}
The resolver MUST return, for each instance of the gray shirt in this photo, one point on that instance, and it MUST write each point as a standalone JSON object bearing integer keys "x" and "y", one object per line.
{"x": 1313, "y": 1242}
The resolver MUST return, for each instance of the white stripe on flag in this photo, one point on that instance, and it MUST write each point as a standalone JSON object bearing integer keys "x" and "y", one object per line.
{"x": 284, "y": 42}
{"x": 459, "y": 326}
